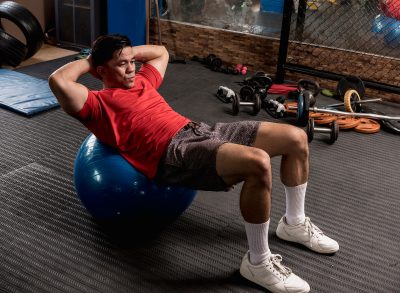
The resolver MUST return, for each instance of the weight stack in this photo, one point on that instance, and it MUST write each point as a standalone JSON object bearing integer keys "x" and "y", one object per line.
{"x": 273, "y": 6}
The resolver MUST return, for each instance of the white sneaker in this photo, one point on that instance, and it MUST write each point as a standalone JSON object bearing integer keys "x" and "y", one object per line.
{"x": 307, "y": 234}
{"x": 272, "y": 275}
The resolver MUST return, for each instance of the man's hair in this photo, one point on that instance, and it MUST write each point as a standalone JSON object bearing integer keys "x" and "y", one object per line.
{"x": 104, "y": 47}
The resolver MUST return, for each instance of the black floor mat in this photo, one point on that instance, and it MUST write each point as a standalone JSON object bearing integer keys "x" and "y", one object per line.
{"x": 49, "y": 243}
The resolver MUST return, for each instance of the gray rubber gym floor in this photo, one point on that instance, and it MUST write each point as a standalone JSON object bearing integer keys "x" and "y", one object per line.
{"x": 49, "y": 243}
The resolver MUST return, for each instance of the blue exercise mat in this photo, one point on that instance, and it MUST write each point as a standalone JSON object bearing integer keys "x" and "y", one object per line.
{"x": 25, "y": 94}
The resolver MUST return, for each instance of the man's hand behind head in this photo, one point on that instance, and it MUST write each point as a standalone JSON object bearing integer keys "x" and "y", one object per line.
{"x": 93, "y": 71}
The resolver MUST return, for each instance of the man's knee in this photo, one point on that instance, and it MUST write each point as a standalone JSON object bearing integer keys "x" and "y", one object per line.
{"x": 299, "y": 141}
{"x": 260, "y": 165}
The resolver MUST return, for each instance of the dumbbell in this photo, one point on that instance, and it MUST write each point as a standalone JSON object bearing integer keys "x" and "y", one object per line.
{"x": 332, "y": 130}
{"x": 259, "y": 80}
{"x": 213, "y": 62}
{"x": 246, "y": 99}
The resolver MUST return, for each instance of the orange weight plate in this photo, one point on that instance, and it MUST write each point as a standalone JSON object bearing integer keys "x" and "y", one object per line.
{"x": 368, "y": 126}
{"x": 347, "y": 122}
{"x": 322, "y": 118}
{"x": 290, "y": 104}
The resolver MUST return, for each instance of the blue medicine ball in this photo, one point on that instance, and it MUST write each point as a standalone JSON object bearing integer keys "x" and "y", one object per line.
{"x": 112, "y": 190}
{"x": 392, "y": 36}
{"x": 382, "y": 24}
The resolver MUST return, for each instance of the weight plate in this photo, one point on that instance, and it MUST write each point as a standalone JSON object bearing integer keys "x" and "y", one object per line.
{"x": 310, "y": 129}
{"x": 290, "y": 104}
{"x": 391, "y": 126}
{"x": 334, "y": 132}
{"x": 246, "y": 93}
{"x": 350, "y": 82}
{"x": 303, "y": 104}
{"x": 368, "y": 126}
{"x": 347, "y": 122}
{"x": 257, "y": 104}
{"x": 235, "y": 104}
{"x": 351, "y": 99}
{"x": 323, "y": 118}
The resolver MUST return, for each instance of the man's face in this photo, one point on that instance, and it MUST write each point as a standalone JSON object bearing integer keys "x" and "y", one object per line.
{"x": 119, "y": 72}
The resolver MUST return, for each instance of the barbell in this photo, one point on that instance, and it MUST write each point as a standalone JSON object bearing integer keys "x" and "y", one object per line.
{"x": 303, "y": 109}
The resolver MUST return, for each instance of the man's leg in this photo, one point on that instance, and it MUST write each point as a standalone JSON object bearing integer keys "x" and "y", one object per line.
{"x": 291, "y": 143}
{"x": 237, "y": 163}
{"x": 275, "y": 140}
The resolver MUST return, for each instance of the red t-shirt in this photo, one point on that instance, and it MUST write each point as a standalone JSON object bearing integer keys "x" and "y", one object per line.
{"x": 138, "y": 122}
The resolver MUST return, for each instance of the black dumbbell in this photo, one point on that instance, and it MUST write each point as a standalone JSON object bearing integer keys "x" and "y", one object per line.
{"x": 213, "y": 62}
{"x": 332, "y": 130}
{"x": 247, "y": 98}
{"x": 259, "y": 80}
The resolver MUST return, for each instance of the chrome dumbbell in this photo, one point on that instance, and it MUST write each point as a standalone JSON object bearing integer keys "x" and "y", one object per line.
{"x": 332, "y": 130}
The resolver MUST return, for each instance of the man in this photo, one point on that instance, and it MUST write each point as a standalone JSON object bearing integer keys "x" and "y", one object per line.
{"x": 130, "y": 115}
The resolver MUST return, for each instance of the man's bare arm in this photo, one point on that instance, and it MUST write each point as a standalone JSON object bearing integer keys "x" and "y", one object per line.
{"x": 70, "y": 94}
{"x": 155, "y": 55}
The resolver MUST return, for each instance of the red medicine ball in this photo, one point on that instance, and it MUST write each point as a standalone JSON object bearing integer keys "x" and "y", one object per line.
{"x": 391, "y": 8}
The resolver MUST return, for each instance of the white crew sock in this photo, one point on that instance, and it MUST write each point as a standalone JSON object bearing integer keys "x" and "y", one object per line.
{"x": 295, "y": 197}
{"x": 257, "y": 236}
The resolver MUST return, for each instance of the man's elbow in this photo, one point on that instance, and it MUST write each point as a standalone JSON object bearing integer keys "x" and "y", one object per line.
{"x": 57, "y": 86}
{"x": 53, "y": 81}
{"x": 165, "y": 52}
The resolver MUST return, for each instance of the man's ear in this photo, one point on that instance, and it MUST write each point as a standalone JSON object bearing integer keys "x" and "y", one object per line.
{"x": 101, "y": 70}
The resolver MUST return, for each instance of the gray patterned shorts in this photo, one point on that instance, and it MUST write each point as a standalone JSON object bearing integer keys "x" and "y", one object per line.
{"x": 190, "y": 159}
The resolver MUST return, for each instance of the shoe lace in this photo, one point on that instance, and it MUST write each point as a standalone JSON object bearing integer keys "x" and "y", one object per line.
{"x": 277, "y": 267}
{"x": 312, "y": 230}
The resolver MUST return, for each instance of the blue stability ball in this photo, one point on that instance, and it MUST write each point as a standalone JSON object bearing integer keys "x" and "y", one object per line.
{"x": 112, "y": 190}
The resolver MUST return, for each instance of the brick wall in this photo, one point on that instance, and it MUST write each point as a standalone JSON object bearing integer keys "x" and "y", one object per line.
{"x": 260, "y": 53}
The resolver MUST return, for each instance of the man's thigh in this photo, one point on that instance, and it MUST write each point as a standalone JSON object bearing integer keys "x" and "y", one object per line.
{"x": 190, "y": 159}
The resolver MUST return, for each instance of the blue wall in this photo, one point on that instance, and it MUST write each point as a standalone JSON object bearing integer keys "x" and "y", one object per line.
{"x": 127, "y": 17}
